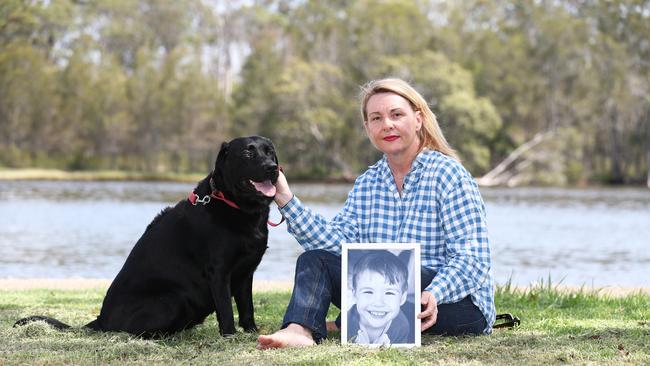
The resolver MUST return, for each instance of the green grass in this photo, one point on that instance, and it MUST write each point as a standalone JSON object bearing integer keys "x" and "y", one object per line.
{"x": 558, "y": 327}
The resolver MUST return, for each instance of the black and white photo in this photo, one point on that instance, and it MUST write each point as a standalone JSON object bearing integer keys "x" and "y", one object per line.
{"x": 379, "y": 301}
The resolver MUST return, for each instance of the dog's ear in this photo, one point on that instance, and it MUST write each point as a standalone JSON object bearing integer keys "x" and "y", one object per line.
{"x": 223, "y": 153}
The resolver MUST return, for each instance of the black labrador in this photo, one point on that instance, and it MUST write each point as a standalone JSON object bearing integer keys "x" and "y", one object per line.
{"x": 195, "y": 256}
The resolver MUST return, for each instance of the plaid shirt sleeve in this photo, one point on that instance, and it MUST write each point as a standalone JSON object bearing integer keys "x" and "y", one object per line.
{"x": 313, "y": 231}
{"x": 440, "y": 208}
{"x": 468, "y": 254}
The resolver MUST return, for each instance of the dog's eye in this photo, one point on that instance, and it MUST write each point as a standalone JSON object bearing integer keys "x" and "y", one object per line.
{"x": 269, "y": 151}
{"x": 247, "y": 154}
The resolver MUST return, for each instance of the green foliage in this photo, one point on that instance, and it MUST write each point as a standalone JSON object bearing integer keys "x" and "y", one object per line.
{"x": 157, "y": 86}
{"x": 554, "y": 65}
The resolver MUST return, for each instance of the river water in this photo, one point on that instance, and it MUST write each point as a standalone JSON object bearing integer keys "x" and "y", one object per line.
{"x": 593, "y": 237}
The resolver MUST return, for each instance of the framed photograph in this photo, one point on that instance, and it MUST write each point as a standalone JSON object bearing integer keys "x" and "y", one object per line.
{"x": 380, "y": 294}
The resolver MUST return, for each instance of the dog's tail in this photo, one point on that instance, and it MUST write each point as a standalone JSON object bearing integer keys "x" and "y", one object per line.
{"x": 51, "y": 321}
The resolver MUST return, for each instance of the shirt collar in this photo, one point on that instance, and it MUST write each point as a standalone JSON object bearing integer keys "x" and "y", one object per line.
{"x": 419, "y": 162}
{"x": 383, "y": 170}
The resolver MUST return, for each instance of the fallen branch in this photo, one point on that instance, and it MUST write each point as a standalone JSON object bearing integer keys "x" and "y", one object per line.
{"x": 498, "y": 175}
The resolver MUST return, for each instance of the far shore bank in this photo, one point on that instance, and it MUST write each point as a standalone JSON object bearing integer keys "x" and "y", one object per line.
{"x": 95, "y": 175}
{"x": 266, "y": 285}
{"x": 11, "y": 174}
{"x": 121, "y": 175}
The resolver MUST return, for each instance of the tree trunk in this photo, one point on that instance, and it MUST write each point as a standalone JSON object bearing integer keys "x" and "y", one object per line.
{"x": 616, "y": 154}
{"x": 647, "y": 161}
{"x": 500, "y": 174}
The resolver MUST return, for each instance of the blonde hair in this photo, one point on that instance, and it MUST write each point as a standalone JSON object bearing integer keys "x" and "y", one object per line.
{"x": 430, "y": 134}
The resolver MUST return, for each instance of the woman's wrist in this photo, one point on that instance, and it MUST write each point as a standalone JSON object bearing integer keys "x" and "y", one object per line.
{"x": 283, "y": 193}
{"x": 281, "y": 199}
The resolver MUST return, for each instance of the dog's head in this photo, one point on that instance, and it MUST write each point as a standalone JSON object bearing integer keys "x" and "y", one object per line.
{"x": 247, "y": 169}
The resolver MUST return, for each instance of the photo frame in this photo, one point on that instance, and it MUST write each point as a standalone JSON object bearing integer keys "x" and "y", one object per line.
{"x": 380, "y": 294}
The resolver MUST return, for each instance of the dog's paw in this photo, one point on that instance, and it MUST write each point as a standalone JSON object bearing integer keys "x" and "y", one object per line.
{"x": 227, "y": 332}
{"x": 248, "y": 326}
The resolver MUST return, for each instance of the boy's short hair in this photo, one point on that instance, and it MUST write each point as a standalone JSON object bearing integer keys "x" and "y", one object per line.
{"x": 384, "y": 263}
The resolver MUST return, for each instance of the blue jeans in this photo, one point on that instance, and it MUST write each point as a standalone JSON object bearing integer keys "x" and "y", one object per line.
{"x": 318, "y": 284}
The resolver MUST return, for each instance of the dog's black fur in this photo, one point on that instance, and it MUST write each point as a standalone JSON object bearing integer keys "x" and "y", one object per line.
{"x": 192, "y": 259}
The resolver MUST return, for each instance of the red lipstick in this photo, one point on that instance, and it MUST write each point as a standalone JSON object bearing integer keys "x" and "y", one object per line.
{"x": 391, "y": 138}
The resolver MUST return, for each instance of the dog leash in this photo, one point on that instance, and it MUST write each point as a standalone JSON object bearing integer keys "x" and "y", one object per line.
{"x": 217, "y": 194}
{"x": 274, "y": 224}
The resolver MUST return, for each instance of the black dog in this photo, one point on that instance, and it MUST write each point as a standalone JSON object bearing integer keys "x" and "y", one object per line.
{"x": 194, "y": 256}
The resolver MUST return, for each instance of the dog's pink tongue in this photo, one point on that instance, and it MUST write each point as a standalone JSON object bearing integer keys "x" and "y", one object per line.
{"x": 266, "y": 188}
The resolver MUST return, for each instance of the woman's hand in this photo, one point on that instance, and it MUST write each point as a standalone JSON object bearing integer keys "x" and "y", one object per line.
{"x": 429, "y": 314}
{"x": 283, "y": 193}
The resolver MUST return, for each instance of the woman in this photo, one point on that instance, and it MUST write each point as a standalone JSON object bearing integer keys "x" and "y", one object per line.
{"x": 418, "y": 192}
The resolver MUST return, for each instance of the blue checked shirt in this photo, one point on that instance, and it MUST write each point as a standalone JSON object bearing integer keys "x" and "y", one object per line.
{"x": 440, "y": 208}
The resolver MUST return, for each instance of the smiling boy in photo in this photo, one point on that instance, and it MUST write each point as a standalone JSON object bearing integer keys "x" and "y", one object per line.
{"x": 379, "y": 287}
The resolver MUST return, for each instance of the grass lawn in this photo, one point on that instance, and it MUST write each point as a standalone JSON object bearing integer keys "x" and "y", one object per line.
{"x": 558, "y": 327}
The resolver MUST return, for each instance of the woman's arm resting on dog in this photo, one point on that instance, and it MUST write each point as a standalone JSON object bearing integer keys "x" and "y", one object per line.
{"x": 312, "y": 230}
{"x": 283, "y": 193}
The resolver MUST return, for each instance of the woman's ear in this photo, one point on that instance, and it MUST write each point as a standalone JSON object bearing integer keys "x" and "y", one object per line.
{"x": 418, "y": 120}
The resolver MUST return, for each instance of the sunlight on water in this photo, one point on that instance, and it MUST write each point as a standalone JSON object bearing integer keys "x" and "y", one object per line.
{"x": 86, "y": 229}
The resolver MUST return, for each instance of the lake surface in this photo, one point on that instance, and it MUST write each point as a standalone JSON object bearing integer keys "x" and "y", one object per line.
{"x": 596, "y": 237}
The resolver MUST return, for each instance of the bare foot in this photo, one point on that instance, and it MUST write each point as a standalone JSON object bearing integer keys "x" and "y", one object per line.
{"x": 294, "y": 335}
